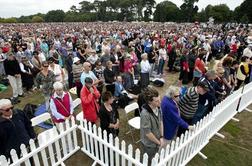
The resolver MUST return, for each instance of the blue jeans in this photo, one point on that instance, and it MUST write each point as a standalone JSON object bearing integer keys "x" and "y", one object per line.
{"x": 200, "y": 113}
{"x": 161, "y": 66}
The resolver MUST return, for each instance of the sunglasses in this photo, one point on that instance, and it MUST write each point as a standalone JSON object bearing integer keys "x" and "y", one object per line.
{"x": 8, "y": 109}
{"x": 45, "y": 66}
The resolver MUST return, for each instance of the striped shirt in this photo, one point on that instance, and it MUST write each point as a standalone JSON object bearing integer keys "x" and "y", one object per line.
{"x": 188, "y": 105}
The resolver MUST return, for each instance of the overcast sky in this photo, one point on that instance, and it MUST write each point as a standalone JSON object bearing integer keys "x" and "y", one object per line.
{"x": 16, "y": 8}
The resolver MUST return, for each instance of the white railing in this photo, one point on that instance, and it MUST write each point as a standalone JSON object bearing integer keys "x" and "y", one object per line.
{"x": 183, "y": 149}
{"x": 109, "y": 151}
{"x": 53, "y": 151}
{"x": 106, "y": 150}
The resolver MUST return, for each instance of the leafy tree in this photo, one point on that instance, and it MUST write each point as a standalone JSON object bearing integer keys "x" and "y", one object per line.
{"x": 55, "y": 16}
{"x": 86, "y": 7}
{"x": 24, "y": 19}
{"x": 149, "y": 4}
{"x": 37, "y": 19}
{"x": 10, "y": 20}
{"x": 220, "y": 13}
{"x": 245, "y": 10}
{"x": 188, "y": 10}
{"x": 166, "y": 11}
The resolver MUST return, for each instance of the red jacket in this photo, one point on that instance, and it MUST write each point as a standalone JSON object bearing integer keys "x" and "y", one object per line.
{"x": 90, "y": 107}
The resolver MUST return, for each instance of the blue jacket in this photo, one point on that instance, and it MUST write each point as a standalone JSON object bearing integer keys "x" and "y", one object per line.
{"x": 171, "y": 118}
{"x": 118, "y": 89}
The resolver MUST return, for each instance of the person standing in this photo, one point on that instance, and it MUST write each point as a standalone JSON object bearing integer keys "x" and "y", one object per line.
{"x": 145, "y": 71}
{"x": 89, "y": 96}
{"x": 16, "y": 129}
{"x": 26, "y": 74}
{"x": 13, "y": 72}
{"x": 77, "y": 70}
{"x": 44, "y": 80}
{"x": 171, "y": 115}
{"x": 61, "y": 104}
{"x": 109, "y": 117}
{"x": 109, "y": 76}
{"x": 151, "y": 125}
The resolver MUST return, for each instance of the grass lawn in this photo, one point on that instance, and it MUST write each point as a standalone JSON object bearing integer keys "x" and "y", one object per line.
{"x": 235, "y": 149}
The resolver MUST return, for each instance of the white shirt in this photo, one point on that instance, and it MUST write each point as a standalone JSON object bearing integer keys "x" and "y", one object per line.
{"x": 145, "y": 66}
{"x": 162, "y": 54}
{"x": 92, "y": 59}
{"x": 57, "y": 70}
{"x": 53, "y": 108}
{"x": 22, "y": 67}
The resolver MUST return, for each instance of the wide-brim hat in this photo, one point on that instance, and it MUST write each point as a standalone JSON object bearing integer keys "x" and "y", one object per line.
{"x": 76, "y": 59}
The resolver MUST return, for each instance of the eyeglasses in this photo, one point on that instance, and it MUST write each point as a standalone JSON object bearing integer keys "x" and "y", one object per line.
{"x": 7, "y": 110}
{"x": 45, "y": 66}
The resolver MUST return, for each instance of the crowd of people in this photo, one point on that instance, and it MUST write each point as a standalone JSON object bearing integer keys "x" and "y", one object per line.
{"x": 112, "y": 64}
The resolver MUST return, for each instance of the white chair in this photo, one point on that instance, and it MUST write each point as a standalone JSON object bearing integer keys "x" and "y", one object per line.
{"x": 134, "y": 122}
{"x": 76, "y": 102}
{"x": 79, "y": 117}
{"x": 41, "y": 118}
{"x": 47, "y": 134}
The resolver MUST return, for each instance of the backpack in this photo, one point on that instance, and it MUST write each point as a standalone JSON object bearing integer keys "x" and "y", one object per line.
{"x": 29, "y": 110}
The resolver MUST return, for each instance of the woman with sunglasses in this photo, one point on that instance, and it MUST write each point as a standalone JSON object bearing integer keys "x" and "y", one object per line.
{"x": 44, "y": 80}
{"x": 171, "y": 115}
{"x": 15, "y": 129}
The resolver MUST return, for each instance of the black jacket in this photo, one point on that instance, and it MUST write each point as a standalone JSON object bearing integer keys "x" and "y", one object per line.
{"x": 14, "y": 132}
{"x": 11, "y": 67}
{"x": 109, "y": 76}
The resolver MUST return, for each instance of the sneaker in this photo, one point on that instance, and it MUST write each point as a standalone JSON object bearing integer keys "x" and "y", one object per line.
{"x": 21, "y": 95}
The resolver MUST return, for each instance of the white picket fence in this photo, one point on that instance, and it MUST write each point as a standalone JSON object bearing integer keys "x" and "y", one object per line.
{"x": 109, "y": 151}
{"x": 53, "y": 149}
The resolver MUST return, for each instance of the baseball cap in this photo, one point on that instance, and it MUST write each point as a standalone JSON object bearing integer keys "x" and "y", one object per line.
{"x": 204, "y": 85}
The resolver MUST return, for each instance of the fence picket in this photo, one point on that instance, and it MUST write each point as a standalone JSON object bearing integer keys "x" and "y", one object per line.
{"x": 105, "y": 137}
{"x": 3, "y": 161}
{"x": 137, "y": 155}
{"x": 69, "y": 138}
{"x": 101, "y": 146}
{"x": 117, "y": 157}
{"x": 130, "y": 153}
{"x": 74, "y": 133}
{"x": 95, "y": 141}
{"x": 182, "y": 150}
{"x": 177, "y": 155}
{"x": 91, "y": 139}
{"x": 35, "y": 156}
{"x": 14, "y": 155}
{"x": 24, "y": 153}
{"x": 111, "y": 152}
{"x": 86, "y": 135}
{"x": 51, "y": 154}
{"x": 123, "y": 148}
{"x": 145, "y": 159}
{"x": 63, "y": 139}
{"x": 43, "y": 153}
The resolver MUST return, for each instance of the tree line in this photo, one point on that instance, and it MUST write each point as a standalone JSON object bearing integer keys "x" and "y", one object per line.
{"x": 141, "y": 10}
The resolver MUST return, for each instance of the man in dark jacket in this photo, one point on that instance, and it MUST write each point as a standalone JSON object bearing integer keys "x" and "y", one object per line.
{"x": 15, "y": 128}
{"x": 13, "y": 71}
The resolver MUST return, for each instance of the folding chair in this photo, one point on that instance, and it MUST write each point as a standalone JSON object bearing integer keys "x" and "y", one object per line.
{"x": 47, "y": 134}
{"x": 134, "y": 122}
{"x": 76, "y": 102}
